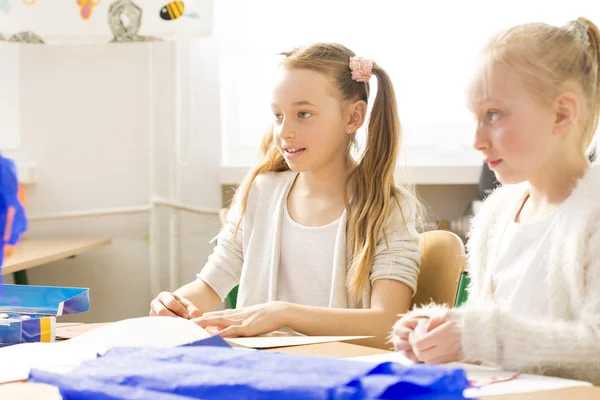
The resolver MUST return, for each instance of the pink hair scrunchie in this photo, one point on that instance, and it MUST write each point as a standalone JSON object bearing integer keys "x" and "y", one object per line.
{"x": 362, "y": 68}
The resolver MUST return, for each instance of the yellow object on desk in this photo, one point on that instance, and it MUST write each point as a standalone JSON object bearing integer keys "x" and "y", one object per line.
{"x": 47, "y": 327}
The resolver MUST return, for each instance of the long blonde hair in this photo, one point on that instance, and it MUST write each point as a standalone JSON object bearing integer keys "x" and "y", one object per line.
{"x": 551, "y": 59}
{"x": 371, "y": 179}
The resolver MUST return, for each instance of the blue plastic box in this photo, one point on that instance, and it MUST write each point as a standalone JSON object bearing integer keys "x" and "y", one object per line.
{"x": 32, "y": 311}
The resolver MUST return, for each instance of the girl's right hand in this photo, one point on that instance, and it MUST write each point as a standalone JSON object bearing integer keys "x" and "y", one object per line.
{"x": 402, "y": 333}
{"x": 171, "y": 305}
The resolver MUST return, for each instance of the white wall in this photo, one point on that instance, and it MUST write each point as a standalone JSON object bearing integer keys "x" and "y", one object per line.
{"x": 85, "y": 122}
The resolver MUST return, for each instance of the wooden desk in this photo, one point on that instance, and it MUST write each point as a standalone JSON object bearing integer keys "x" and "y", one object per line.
{"x": 331, "y": 349}
{"x": 29, "y": 391}
{"x": 32, "y": 253}
{"x": 35, "y": 391}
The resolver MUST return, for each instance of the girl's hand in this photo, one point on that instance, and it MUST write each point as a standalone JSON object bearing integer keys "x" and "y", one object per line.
{"x": 401, "y": 333}
{"x": 171, "y": 305}
{"x": 442, "y": 342}
{"x": 247, "y": 321}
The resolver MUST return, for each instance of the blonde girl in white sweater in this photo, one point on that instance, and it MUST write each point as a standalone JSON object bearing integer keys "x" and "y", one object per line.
{"x": 319, "y": 242}
{"x": 534, "y": 248}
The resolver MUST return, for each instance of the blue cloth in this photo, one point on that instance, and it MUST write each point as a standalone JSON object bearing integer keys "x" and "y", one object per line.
{"x": 9, "y": 192}
{"x": 225, "y": 373}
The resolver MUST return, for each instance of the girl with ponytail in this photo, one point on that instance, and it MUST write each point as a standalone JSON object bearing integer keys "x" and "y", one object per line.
{"x": 320, "y": 241}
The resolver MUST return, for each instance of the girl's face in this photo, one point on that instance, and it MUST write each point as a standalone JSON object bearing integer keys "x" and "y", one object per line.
{"x": 309, "y": 124}
{"x": 514, "y": 130}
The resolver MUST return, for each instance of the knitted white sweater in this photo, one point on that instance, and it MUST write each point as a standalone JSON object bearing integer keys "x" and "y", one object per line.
{"x": 566, "y": 344}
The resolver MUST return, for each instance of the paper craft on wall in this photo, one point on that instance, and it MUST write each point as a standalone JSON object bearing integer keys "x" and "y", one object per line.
{"x": 102, "y": 21}
{"x": 86, "y": 7}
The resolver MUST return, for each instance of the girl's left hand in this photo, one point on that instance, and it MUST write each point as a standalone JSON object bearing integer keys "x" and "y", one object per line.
{"x": 248, "y": 321}
{"x": 442, "y": 342}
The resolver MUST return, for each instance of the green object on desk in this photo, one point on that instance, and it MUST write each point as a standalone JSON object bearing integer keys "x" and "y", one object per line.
{"x": 20, "y": 278}
{"x": 462, "y": 294}
{"x": 232, "y": 297}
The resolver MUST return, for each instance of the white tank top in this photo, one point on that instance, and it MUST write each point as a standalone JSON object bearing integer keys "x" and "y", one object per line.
{"x": 306, "y": 262}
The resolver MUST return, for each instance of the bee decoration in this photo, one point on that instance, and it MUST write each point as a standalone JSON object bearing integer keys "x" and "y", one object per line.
{"x": 175, "y": 10}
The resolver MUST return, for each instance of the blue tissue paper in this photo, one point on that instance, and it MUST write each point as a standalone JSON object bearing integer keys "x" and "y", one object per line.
{"x": 207, "y": 372}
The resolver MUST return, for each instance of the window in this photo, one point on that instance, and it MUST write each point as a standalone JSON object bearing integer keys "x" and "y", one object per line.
{"x": 427, "y": 47}
{"x": 10, "y": 112}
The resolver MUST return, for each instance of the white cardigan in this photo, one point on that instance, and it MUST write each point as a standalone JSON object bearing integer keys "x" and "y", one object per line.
{"x": 567, "y": 343}
{"x": 253, "y": 260}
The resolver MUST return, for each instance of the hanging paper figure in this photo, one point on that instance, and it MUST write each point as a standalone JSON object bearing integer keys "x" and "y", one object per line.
{"x": 124, "y": 20}
{"x": 86, "y": 6}
{"x": 174, "y": 10}
{"x": 26, "y": 37}
{"x": 5, "y": 6}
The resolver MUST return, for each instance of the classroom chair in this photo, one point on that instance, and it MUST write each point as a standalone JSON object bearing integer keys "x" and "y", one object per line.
{"x": 442, "y": 278}
{"x": 442, "y": 265}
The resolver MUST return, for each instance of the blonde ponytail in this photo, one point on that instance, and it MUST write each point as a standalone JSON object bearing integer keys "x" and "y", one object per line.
{"x": 372, "y": 183}
{"x": 371, "y": 179}
{"x": 593, "y": 50}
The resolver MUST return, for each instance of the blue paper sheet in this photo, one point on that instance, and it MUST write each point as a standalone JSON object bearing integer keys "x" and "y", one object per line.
{"x": 224, "y": 373}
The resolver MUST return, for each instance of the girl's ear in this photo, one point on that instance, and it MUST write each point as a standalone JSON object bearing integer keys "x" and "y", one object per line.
{"x": 357, "y": 112}
{"x": 567, "y": 110}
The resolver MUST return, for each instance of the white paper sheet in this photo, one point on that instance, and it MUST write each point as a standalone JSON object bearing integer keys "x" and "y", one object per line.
{"x": 269, "y": 342}
{"x": 16, "y": 361}
{"x": 379, "y": 358}
{"x": 140, "y": 332}
{"x": 522, "y": 384}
